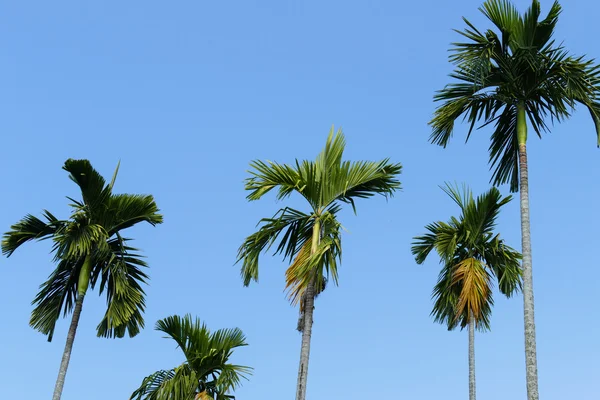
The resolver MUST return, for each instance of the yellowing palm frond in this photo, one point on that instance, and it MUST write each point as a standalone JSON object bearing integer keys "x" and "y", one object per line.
{"x": 476, "y": 288}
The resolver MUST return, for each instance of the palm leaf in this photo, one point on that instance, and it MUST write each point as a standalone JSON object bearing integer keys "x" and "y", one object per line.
{"x": 30, "y": 228}
{"x": 121, "y": 277}
{"x": 56, "y": 295}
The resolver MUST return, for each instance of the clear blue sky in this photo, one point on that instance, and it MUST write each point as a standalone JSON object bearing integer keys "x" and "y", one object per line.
{"x": 185, "y": 94}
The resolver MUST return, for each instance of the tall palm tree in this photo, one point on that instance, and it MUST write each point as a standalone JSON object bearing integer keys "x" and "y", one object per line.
{"x": 471, "y": 255}
{"x": 312, "y": 240}
{"x": 206, "y": 372}
{"x": 89, "y": 249}
{"x": 509, "y": 78}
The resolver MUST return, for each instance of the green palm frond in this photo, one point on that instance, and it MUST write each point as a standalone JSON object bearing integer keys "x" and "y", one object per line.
{"x": 295, "y": 228}
{"x": 57, "y": 295}
{"x": 122, "y": 278}
{"x": 30, "y": 228}
{"x": 179, "y": 383}
{"x": 266, "y": 176}
{"x": 92, "y": 185}
{"x": 149, "y": 389}
{"x": 125, "y": 210}
{"x": 79, "y": 238}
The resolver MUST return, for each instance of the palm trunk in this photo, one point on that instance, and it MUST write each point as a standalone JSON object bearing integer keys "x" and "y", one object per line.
{"x": 309, "y": 306}
{"x": 64, "y": 364}
{"x": 530, "y": 342}
{"x": 84, "y": 278}
{"x": 471, "y": 357}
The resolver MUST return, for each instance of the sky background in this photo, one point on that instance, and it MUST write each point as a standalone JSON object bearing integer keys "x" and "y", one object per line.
{"x": 185, "y": 94}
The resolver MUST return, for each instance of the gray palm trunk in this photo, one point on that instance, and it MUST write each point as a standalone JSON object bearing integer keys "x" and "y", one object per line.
{"x": 309, "y": 306}
{"x": 528, "y": 305}
{"x": 471, "y": 358}
{"x": 64, "y": 364}
{"x": 530, "y": 342}
{"x": 307, "y": 321}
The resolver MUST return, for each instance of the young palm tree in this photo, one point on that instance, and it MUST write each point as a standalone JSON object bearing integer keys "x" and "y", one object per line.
{"x": 507, "y": 79}
{"x": 206, "y": 373}
{"x": 471, "y": 255}
{"x": 312, "y": 240}
{"x": 88, "y": 249}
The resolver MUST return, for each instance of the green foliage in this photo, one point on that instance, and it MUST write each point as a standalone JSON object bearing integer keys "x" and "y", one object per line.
{"x": 495, "y": 71}
{"x": 471, "y": 255}
{"x": 324, "y": 184}
{"x": 206, "y": 369}
{"x": 93, "y": 230}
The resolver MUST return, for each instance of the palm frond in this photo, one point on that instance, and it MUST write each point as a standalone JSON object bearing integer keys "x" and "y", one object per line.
{"x": 149, "y": 389}
{"x": 93, "y": 186}
{"x": 206, "y": 370}
{"x": 475, "y": 282}
{"x": 56, "y": 295}
{"x": 121, "y": 277}
{"x": 320, "y": 265}
{"x": 179, "y": 383}
{"x": 30, "y": 228}
{"x": 126, "y": 210}
{"x": 294, "y": 225}
{"x": 362, "y": 179}
{"x": 504, "y": 149}
{"x": 79, "y": 238}
{"x": 503, "y": 14}
{"x": 265, "y": 176}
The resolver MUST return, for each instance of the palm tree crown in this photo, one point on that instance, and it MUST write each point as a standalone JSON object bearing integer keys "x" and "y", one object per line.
{"x": 89, "y": 249}
{"x": 324, "y": 184}
{"x": 516, "y": 70}
{"x": 471, "y": 254}
{"x": 206, "y": 373}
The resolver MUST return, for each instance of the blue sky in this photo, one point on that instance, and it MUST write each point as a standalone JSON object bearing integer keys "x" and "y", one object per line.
{"x": 185, "y": 94}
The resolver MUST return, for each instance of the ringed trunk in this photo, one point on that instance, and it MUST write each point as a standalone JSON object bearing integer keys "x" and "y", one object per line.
{"x": 528, "y": 304}
{"x": 84, "y": 279}
{"x": 309, "y": 306}
{"x": 472, "y": 390}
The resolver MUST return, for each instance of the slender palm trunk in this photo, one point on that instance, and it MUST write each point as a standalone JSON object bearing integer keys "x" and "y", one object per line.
{"x": 64, "y": 363}
{"x": 530, "y": 341}
{"x": 471, "y": 357}
{"x": 309, "y": 306}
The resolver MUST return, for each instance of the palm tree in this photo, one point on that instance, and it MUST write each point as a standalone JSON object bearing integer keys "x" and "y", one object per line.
{"x": 507, "y": 79}
{"x": 311, "y": 241}
{"x": 471, "y": 255}
{"x": 89, "y": 249}
{"x": 206, "y": 372}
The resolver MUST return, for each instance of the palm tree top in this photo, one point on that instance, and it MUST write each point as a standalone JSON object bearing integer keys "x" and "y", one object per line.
{"x": 324, "y": 184}
{"x": 206, "y": 370}
{"x": 99, "y": 215}
{"x": 471, "y": 253}
{"x": 327, "y": 179}
{"x": 517, "y": 65}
